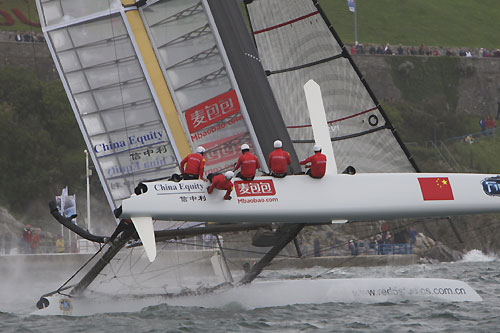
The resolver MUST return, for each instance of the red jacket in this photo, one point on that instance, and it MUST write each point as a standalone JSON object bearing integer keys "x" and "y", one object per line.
{"x": 249, "y": 164}
{"x": 195, "y": 164}
{"x": 221, "y": 183}
{"x": 278, "y": 160}
{"x": 318, "y": 164}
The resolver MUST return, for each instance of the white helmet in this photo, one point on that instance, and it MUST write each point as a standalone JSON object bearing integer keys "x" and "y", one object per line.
{"x": 200, "y": 150}
{"x": 278, "y": 144}
{"x": 317, "y": 148}
{"x": 245, "y": 147}
{"x": 229, "y": 175}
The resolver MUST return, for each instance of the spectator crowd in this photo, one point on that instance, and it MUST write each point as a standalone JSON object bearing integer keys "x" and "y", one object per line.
{"x": 422, "y": 50}
{"x": 32, "y": 241}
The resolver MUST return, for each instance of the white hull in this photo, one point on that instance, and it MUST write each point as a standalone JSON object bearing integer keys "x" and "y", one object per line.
{"x": 302, "y": 199}
{"x": 282, "y": 293}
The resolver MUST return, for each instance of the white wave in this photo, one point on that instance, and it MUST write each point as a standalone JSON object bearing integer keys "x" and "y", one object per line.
{"x": 478, "y": 256}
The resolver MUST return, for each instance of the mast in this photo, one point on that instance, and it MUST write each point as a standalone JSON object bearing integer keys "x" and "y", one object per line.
{"x": 261, "y": 105}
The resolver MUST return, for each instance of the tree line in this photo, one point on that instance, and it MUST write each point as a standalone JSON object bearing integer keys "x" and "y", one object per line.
{"x": 41, "y": 144}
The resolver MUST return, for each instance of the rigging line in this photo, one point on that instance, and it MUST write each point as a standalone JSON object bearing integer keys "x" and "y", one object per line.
{"x": 350, "y": 136}
{"x": 492, "y": 224}
{"x": 340, "y": 119}
{"x": 139, "y": 258}
{"x": 115, "y": 276}
{"x": 121, "y": 87}
{"x": 237, "y": 250}
{"x": 310, "y": 64}
{"x": 167, "y": 268}
{"x": 129, "y": 256}
{"x": 79, "y": 270}
{"x": 174, "y": 268}
{"x": 285, "y": 23}
{"x": 122, "y": 263}
{"x": 133, "y": 265}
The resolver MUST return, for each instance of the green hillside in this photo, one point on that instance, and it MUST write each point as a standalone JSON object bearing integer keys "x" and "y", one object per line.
{"x": 448, "y": 23}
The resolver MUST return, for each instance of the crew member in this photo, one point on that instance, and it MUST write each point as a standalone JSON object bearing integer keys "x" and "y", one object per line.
{"x": 278, "y": 160}
{"x": 248, "y": 162}
{"x": 195, "y": 165}
{"x": 317, "y": 168}
{"x": 222, "y": 182}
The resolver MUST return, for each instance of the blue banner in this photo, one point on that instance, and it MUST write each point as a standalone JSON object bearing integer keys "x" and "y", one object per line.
{"x": 352, "y": 5}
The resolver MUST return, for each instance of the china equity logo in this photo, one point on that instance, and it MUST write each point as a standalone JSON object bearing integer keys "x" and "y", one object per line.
{"x": 254, "y": 188}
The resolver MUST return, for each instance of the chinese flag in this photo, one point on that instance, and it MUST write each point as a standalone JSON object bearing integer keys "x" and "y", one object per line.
{"x": 436, "y": 188}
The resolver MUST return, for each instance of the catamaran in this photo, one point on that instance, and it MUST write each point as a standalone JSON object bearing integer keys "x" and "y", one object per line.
{"x": 149, "y": 81}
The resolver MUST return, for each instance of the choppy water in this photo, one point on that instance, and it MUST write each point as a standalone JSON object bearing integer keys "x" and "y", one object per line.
{"x": 479, "y": 271}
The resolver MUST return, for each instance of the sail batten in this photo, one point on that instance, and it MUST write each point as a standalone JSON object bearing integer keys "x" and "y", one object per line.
{"x": 285, "y": 23}
{"x": 314, "y": 63}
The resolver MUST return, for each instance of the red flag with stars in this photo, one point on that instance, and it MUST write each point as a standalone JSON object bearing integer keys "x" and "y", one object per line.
{"x": 436, "y": 188}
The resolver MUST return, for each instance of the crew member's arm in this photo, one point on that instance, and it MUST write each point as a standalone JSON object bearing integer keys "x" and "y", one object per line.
{"x": 202, "y": 169}
{"x": 307, "y": 160}
{"x": 238, "y": 164}
{"x": 182, "y": 164}
{"x": 211, "y": 188}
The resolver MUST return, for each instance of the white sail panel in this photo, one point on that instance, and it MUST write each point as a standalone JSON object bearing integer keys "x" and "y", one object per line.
{"x": 296, "y": 45}
{"x": 199, "y": 79}
{"x": 62, "y": 11}
{"x": 112, "y": 99}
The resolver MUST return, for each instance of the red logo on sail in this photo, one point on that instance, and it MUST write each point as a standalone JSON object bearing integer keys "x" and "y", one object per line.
{"x": 254, "y": 188}
{"x": 212, "y": 111}
{"x": 222, "y": 150}
{"x": 436, "y": 188}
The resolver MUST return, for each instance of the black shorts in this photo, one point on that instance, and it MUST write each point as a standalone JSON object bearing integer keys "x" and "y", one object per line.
{"x": 278, "y": 175}
{"x": 244, "y": 178}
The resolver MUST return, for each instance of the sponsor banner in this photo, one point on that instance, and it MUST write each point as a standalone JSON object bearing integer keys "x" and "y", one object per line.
{"x": 352, "y": 5}
{"x": 436, "y": 188}
{"x": 140, "y": 161}
{"x": 66, "y": 204}
{"x": 131, "y": 141}
{"x": 491, "y": 186}
{"x": 214, "y": 129}
{"x": 179, "y": 188}
{"x": 254, "y": 188}
{"x": 212, "y": 111}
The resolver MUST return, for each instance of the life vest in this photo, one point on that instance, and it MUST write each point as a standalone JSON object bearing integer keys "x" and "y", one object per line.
{"x": 278, "y": 160}
{"x": 249, "y": 164}
{"x": 194, "y": 164}
{"x": 318, "y": 164}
